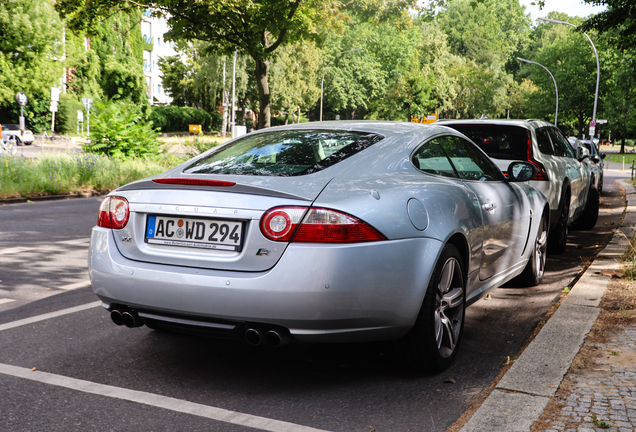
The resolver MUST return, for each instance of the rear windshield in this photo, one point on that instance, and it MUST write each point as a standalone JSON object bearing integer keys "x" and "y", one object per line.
{"x": 498, "y": 141}
{"x": 284, "y": 153}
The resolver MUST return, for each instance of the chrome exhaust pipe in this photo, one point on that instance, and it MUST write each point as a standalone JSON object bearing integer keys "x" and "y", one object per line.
{"x": 276, "y": 339}
{"x": 254, "y": 337}
{"x": 131, "y": 319}
{"x": 116, "y": 316}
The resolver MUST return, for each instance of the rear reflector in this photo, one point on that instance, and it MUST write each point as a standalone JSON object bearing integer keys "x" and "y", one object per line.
{"x": 194, "y": 182}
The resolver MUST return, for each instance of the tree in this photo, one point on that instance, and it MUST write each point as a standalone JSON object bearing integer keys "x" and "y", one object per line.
{"x": 618, "y": 22}
{"x": 295, "y": 78}
{"x": 31, "y": 53}
{"x": 487, "y": 33}
{"x": 567, "y": 54}
{"x": 256, "y": 28}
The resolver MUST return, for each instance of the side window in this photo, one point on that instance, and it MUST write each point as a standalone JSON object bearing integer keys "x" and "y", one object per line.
{"x": 561, "y": 145}
{"x": 543, "y": 140}
{"x": 431, "y": 159}
{"x": 469, "y": 161}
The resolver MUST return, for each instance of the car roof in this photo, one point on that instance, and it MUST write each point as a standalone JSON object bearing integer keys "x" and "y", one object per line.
{"x": 515, "y": 122}
{"x": 381, "y": 127}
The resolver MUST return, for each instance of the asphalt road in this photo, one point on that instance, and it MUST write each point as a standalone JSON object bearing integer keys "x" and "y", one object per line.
{"x": 93, "y": 375}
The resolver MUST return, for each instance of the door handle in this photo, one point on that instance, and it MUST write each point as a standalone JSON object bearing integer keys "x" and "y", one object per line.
{"x": 489, "y": 206}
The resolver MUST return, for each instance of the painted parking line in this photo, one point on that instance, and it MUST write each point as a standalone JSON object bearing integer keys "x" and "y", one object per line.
{"x": 6, "y": 300}
{"x": 14, "y": 250}
{"x": 75, "y": 241}
{"x": 50, "y": 315}
{"x": 19, "y": 249}
{"x": 76, "y": 285}
{"x": 158, "y": 401}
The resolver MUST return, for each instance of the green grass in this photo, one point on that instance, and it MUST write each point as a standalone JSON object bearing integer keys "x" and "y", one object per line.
{"x": 74, "y": 173}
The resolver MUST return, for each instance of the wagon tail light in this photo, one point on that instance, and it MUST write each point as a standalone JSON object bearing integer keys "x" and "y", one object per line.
{"x": 113, "y": 213}
{"x": 541, "y": 174}
{"x": 316, "y": 225}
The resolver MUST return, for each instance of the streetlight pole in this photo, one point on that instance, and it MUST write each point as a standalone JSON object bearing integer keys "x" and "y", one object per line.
{"x": 598, "y": 68}
{"x": 322, "y": 83}
{"x": 556, "y": 112}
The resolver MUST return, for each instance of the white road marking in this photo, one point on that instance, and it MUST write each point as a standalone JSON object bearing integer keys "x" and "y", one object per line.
{"x": 158, "y": 401}
{"x": 6, "y": 300}
{"x": 50, "y": 315}
{"x": 75, "y": 241}
{"x": 14, "y": 250}
{"x": 75, "y": 285}
{"x": 18, "y": 249}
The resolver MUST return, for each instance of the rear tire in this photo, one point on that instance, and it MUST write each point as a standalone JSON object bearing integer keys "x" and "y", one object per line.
{"x": 588, "y": 219}
{"x": 533, "y": 273}
{"x": 432, "y": 344}
{"x": 558, "y": 238}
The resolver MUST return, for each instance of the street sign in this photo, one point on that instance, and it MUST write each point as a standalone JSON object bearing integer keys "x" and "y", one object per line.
{"x": 80, "y": 115}
{"x": 21, "y": 99}
{"x": 601, "y": 121}
{"x": 592, "y": 131}
{"x": 87, "y": 103}
{"x": 55, "y": 94}
{"x": 592, "y": 123}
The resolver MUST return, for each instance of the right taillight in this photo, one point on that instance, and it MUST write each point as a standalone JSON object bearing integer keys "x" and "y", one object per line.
{"x": 541, "y": 174}
{"x": 113, "y": 213}
{"x": 316, "y": 225}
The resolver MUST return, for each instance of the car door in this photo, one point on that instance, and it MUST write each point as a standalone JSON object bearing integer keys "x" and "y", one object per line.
{"x": 575, "y": 170}
{"x": 504, "y": 206}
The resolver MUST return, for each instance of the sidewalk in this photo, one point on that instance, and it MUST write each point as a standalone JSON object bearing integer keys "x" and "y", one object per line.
{"x": 604, "y": 400}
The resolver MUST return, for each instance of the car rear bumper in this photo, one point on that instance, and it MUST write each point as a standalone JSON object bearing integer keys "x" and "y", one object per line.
{"x": 319, "y": 293}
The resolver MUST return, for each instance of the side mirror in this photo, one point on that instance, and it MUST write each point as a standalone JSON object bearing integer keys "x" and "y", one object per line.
{"x": 603, "y": 155}
{"x": 582, "y": 153}
{"x": 521, "y": 171}
{"x": 596, "y": 159}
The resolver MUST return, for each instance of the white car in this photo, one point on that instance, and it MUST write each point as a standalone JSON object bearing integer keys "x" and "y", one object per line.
{"x": 563, "y": 175}
{"x": 13, "y": 130}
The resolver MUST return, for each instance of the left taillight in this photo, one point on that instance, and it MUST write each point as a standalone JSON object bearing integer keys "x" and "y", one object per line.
{"x": 113, "y": 213}
{"x": 319, "y": 225}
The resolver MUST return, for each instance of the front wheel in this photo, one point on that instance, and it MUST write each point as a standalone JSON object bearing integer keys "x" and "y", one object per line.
{"x": 432, "y": 344}
{"x": 533, "y": 273}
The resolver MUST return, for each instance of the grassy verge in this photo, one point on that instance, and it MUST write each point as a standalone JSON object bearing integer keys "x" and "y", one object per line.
{"x": 73, "y": 173}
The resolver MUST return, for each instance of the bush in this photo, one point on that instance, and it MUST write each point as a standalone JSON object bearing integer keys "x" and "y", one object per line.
{"x": 66, "y": 116}
{"x": 176, "y": 119}
{"x": 119, "y": 130}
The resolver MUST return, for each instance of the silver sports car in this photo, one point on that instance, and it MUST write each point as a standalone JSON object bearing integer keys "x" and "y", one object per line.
{"x": 322, "y": 232}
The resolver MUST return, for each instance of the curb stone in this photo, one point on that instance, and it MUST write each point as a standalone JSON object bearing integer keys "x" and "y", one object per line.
{"x": 523, "y": 393}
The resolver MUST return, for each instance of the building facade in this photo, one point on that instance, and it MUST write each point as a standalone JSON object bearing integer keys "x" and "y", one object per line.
{"x": 153, "y": 30}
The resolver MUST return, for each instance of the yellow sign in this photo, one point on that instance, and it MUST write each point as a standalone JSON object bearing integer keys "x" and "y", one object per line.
{"x": 195, "y": 129}
{"x": 431, "y": 118}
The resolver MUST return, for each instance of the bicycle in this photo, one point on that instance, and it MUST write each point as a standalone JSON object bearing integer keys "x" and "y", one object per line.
{"x": 9, "y": 145}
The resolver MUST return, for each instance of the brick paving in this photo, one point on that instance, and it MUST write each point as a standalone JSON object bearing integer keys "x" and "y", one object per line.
{"x": 604, "y": 397}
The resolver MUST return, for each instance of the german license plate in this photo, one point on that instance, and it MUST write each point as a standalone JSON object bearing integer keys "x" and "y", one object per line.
{"x": 194, "y": 232}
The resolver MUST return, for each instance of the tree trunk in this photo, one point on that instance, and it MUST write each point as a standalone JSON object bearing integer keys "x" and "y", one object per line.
{"x": 287, "y": 118}
{"x": 260, "y": 73}
{"x": 623, "y": 145}
{"x": 298, "y": 115}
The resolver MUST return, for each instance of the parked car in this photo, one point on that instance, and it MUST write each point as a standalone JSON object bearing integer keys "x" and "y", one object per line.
{"x": 322, "y": 232}
{"x": 595, "y": 161}
{"x": 562, "y": 176}
{"x": 13, "y": 130}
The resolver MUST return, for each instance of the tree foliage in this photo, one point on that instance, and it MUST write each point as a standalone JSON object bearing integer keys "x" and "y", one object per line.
{"x": 119, "y": 129}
